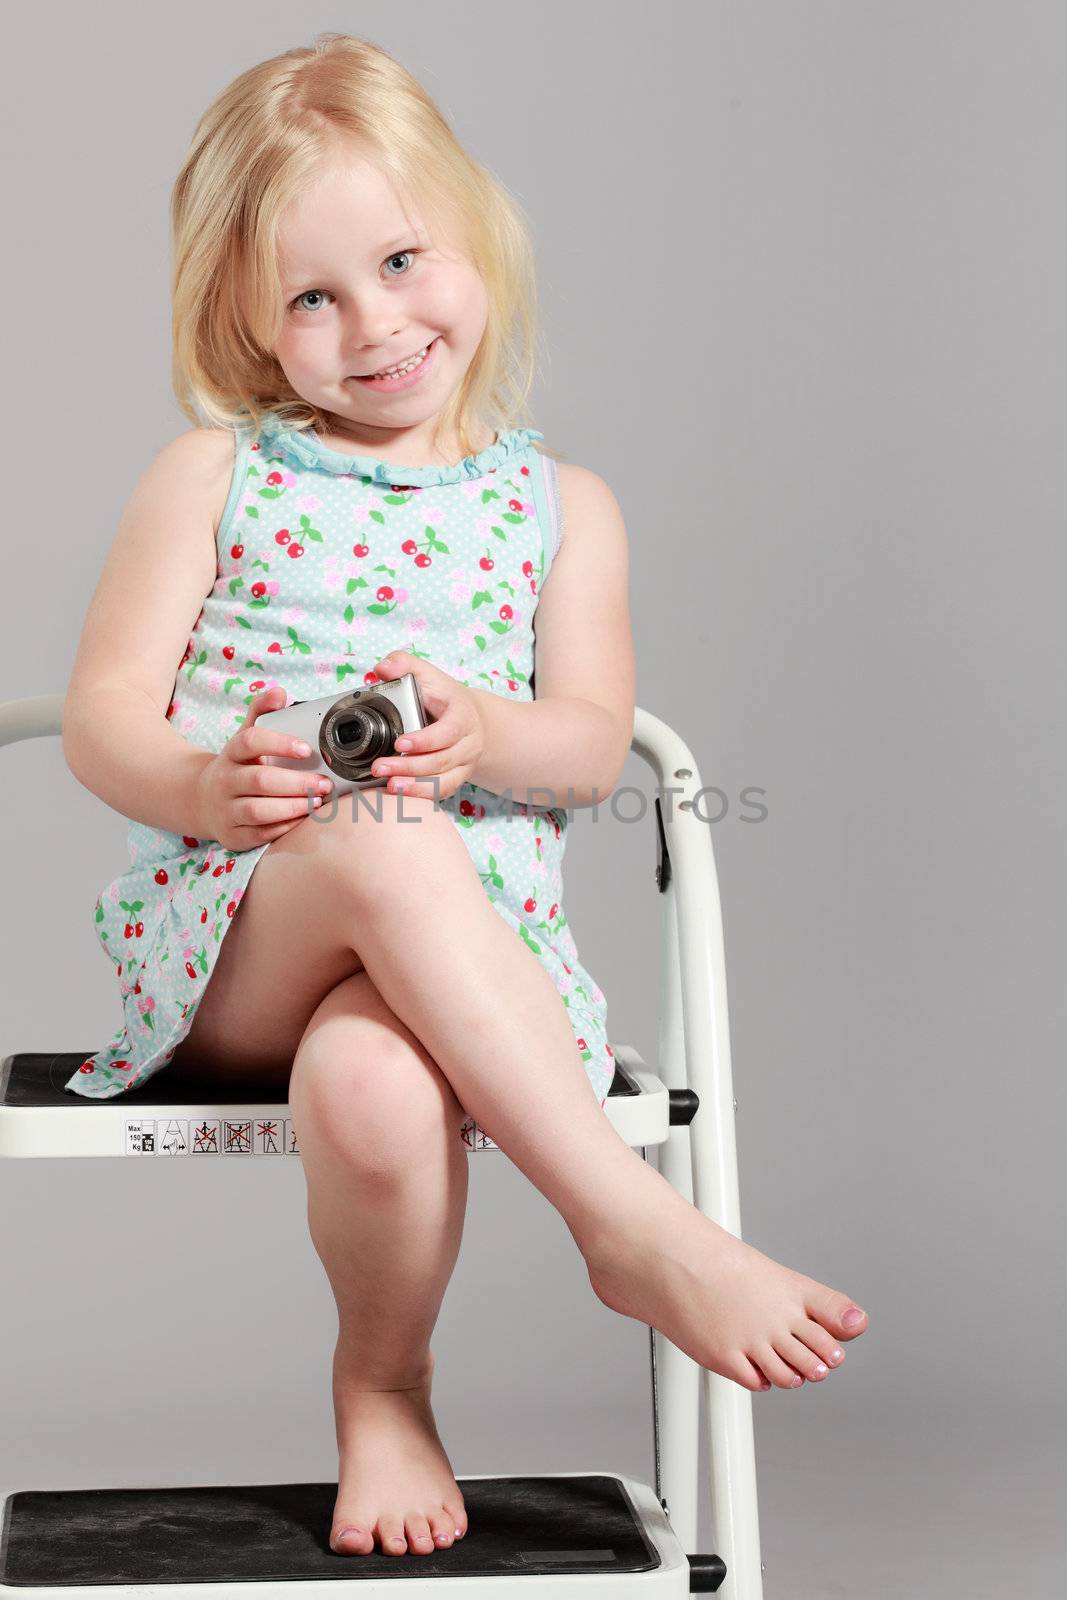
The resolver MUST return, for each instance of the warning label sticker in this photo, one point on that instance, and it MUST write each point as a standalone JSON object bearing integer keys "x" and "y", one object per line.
{"x": 211, "y": 1136}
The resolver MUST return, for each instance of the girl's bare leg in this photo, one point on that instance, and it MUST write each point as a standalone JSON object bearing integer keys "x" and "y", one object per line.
{"x": 386, "y": 1172}
{"x": 484, "y": 1007}
{"x": 402, "y": 901}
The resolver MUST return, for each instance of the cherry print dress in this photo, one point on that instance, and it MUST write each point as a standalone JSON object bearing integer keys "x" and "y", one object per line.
{"x": 326, "y": 563}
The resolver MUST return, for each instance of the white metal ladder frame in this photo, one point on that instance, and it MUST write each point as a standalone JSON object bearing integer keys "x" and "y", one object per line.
{"x": 698, "y": 1157}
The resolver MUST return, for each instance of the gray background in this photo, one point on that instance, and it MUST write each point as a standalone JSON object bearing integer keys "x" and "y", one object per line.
{"x": 802, "y": 269}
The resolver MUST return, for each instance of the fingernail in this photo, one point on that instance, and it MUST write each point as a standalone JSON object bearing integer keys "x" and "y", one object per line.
{"x": 852, "y": 1316}
{"x": 403, "y": 744}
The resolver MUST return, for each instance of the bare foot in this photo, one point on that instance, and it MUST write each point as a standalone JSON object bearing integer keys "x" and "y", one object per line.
{"x": 395, "y": 1484}
{"x": 726, "y": 1305}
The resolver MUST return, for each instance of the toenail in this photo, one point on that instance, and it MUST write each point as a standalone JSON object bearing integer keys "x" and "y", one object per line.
{"x": 820, "y": 1370}
{"x": 797, "y": 1381}
{"x": 837, "y": 1355}
{"x": 442, "y": 1538}
{"x": 344, "y": 1533}
{"x": 397, "y": 1542}
{"x": 459, "y": 1534}
{"x": 852, "y": 1317}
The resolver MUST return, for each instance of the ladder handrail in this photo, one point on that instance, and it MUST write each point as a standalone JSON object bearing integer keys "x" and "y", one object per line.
{"x": 34, "y": 717}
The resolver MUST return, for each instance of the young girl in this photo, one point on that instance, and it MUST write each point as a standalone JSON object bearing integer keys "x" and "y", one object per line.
{"x": 403, "y": 972}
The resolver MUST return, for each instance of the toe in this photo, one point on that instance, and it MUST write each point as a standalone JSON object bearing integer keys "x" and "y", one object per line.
{"x": 391, "y": 1533}
{"x": 347, "y": 1540}
{"x": 781, "y": 1374}
{"x": 417, "y": 1529}
{"x": 456, "y": 1518}
{"x": 840, "y": 1315}
{"x": 797, "y": 1355}
{"x": 823, "y": 1345}
{"x": 442, "y": 1529}
{"x": 747, "y": 1374}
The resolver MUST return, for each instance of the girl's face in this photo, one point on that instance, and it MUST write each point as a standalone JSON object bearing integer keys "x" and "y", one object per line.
{"x": 362, "y": 291}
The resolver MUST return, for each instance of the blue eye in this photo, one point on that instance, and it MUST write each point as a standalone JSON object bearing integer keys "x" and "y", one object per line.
{"x": 396, "y": 256}
{"x": 303, "y": 296}
{"x": 398, "y": 253}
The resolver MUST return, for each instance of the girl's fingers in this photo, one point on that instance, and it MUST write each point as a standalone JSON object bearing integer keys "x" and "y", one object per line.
{"x": 442, "y": 758}
{"x": 267, "y": 779}
{"x": 407, "y": 765}
{"x": 415, "y": 766}
{"x": 265, "y": 742}
{"x": 434, "y": 736}
{"x": 264, "y": 811}
{"x": 267, "y": 700}
{"x": 426, "y": 791}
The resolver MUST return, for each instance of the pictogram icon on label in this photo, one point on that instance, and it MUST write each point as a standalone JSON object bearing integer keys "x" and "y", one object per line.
{"x": 476, "y": 1138}
{"x": 236, "y": 1137}
{"x": 141, "y": 1137}
{"x": 268, "y": 1137}
{"x": 206, "y": 1137}
{"x": 171, "y": 1138}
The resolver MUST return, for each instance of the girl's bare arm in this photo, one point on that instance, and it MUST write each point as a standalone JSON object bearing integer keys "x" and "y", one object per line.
{"x": 161, "y": 566}
{"x": 573, "y": 738}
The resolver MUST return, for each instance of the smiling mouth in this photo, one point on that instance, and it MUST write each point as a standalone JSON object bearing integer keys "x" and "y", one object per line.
{"x": 392, "y": 372}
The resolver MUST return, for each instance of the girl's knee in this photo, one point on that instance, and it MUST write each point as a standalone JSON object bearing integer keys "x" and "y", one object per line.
{"x": 370, "y": 1094}
{"x": 381, "y": 1126}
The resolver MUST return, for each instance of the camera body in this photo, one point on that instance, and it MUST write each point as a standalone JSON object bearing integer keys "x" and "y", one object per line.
{"x": 347, "y": 733}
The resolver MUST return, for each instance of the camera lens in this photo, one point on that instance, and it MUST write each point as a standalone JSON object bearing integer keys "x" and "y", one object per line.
{"x": 362, "y": 733}
{"x": 356, "y": 730}
{"x": 353, "y": 730}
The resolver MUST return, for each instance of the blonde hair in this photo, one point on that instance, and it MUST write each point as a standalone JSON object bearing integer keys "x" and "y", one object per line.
{"x": 265, "y": 140}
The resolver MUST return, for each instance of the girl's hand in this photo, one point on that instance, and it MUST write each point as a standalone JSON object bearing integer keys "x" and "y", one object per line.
{"x": 448, "y": 748}
{"x": 243, "y": 801}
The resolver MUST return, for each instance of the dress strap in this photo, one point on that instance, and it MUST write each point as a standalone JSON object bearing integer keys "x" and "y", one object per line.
{"x": 555, "y": 514}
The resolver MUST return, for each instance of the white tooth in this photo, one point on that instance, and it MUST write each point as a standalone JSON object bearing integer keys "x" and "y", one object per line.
{"x": 409, "y": 366}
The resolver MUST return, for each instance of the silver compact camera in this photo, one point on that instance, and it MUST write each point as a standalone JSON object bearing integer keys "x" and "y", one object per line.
{"x": 348, "y": 734}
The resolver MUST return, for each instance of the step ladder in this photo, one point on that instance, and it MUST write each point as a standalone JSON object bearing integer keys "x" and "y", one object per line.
{"x": 564, "y": 1536}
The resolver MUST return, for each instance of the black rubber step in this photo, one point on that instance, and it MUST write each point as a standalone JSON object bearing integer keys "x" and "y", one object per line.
{"x": 245, "y": 1533}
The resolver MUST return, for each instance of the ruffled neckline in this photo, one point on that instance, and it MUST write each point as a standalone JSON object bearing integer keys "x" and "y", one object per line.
{"x": 304, "y": 447}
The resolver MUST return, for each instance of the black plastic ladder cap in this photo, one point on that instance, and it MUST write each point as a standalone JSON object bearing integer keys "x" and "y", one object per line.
{"x": 705, "y": 1573}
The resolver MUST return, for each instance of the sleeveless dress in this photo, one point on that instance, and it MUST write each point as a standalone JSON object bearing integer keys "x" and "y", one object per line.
{"x": 326, "y": 563}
